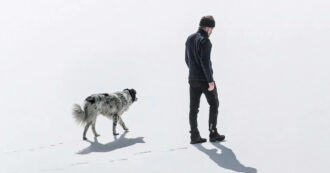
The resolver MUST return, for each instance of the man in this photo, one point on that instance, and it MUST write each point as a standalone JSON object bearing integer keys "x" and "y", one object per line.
{"x": 197, "y": 56}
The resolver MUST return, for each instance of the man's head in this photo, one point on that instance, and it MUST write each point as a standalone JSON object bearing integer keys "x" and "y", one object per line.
{"x": 207, "y": 23}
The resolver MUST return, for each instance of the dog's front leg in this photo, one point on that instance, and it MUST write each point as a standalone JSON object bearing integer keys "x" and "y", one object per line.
{"x": 121, "y": 122}
{"x": 85, "y": 130}
{"x": 114, "y": 125}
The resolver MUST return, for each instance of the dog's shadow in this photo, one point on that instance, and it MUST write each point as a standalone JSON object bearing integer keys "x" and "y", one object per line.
{"x": 118, "y": 143}
{"x": 226, "y": 159}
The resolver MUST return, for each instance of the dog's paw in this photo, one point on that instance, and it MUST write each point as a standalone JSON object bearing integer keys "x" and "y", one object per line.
{"x": 84, "y": 138}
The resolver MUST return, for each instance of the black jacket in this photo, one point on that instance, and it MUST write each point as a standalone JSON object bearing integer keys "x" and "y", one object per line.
{"x": 198, "y": 52}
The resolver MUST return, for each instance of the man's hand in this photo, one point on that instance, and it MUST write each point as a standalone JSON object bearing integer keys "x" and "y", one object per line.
{"x": 211, "y": 86}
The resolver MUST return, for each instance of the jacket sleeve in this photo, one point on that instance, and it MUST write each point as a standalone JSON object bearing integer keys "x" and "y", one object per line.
{"x": 186, "y": 56}
{"x": 205, "y": 59}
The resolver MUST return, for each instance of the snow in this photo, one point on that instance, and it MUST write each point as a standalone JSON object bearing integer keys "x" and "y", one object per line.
{"x": 271, "y": 64}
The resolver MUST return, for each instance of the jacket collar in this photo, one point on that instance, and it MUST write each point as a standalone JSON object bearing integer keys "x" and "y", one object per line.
{"x": 202, "y": 32}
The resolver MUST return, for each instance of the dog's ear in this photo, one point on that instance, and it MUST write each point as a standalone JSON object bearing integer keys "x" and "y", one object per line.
{"x": 126, "y": 89}
{"x": 133, "y": 91}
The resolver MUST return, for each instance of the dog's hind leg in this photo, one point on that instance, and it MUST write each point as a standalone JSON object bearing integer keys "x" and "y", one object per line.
{"x": 94, "y": 131}
{"x": 85, "y": 130}
{"x": 114, "y": 125}
{"x": 121, "y": 122}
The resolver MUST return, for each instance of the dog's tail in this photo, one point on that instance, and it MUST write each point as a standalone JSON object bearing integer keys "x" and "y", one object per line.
{"x": 78, "y": 114}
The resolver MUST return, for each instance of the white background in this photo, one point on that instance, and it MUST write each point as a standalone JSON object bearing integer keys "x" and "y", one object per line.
{"x": 271, "y": 65}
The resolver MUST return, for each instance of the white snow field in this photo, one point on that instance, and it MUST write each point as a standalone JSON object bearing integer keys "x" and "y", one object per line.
{"x": 271, "y": 64}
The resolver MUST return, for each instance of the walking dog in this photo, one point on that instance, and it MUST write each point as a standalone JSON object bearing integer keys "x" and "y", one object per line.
{"x": 111, "y": 105}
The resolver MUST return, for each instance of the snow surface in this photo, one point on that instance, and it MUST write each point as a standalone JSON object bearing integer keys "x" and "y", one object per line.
{"x": 271, "y": 64}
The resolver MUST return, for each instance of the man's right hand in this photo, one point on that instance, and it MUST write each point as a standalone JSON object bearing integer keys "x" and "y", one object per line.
{"x": 211, "y": 86}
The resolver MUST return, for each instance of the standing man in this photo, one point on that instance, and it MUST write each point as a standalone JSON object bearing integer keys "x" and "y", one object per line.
{"x": 197, "y": 56}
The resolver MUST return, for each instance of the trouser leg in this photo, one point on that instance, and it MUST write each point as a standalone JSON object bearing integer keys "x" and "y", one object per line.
{"x": 213, "y": 101}
{"x": 195, "y": 95}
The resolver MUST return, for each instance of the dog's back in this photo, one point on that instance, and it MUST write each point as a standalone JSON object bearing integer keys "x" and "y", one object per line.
{"x": 104, "y": 103}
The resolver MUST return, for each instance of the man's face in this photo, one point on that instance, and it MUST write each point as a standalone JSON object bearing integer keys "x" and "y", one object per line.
{"x": 209, "y": 30}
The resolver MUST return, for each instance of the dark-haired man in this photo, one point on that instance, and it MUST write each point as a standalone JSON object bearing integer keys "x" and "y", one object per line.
{"x": 197, "y": 56}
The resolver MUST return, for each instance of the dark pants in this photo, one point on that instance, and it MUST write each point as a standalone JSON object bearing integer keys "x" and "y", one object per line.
{"x": 196, "y": 90}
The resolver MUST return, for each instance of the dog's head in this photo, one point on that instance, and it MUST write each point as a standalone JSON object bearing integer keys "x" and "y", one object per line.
{"x": 132, "y": 92}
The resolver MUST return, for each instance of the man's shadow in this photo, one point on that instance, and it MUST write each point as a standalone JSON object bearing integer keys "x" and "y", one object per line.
{"x": 226, "y": 159}
{"x": 118, "y": 143}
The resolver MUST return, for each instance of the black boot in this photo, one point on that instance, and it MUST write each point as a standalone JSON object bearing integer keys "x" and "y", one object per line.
{"x": 214, "y": 136}
{"x": 195, "y": 138}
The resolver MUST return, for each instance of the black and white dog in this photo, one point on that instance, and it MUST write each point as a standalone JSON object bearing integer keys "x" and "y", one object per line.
{"x": 111, "y": 105}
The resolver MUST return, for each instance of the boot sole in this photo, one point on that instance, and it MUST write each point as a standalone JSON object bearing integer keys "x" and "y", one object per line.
{"x": 217, "y": 140}
{"x": 198, "y": 142}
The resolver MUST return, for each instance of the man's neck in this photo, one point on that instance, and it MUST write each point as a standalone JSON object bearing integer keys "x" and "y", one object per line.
{"x": 203, "y": 32}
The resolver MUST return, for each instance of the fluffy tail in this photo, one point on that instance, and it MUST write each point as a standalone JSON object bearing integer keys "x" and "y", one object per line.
{"x": 78, "y": 114}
